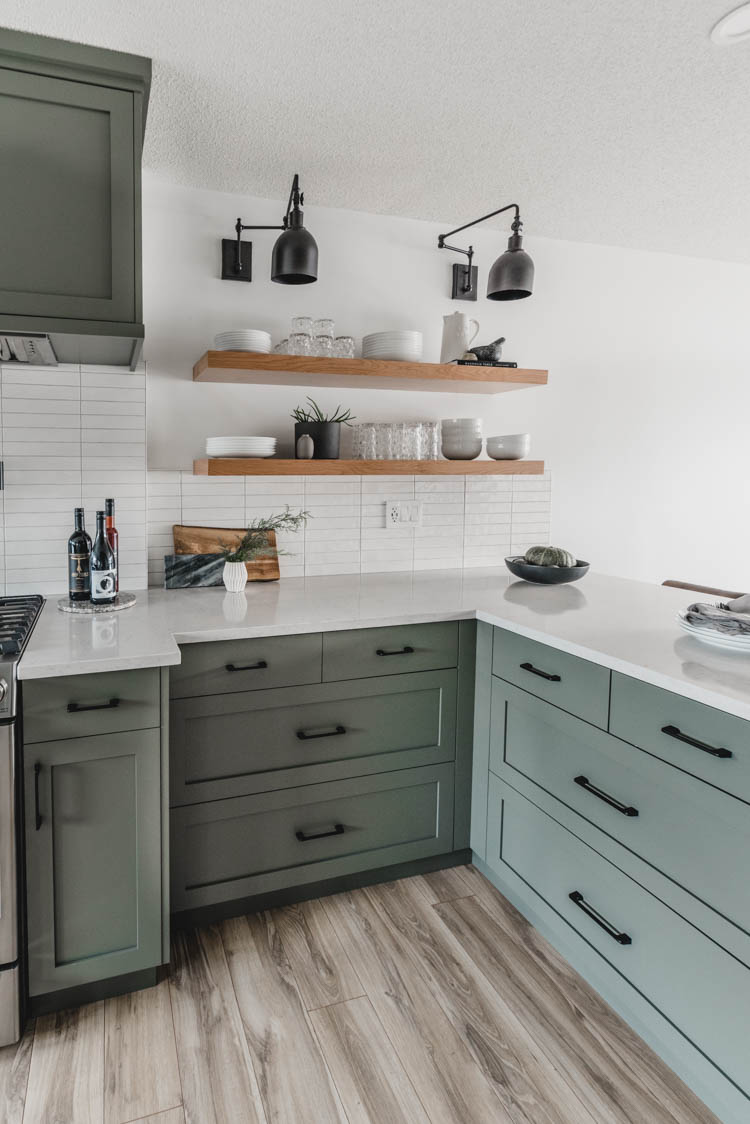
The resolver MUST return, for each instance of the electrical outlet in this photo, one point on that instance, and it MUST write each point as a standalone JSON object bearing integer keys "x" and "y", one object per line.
{"x": 403, "y": 513}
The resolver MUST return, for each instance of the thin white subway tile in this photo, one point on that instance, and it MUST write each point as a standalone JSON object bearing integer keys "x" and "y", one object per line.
{"x": 98, "y": 427}
{"x": 448, "y": 485}
{"x": 48, "y": 413}
{"x": 316, "y": 547}
{"x": 64, "y": 374}
{"x": 114, "y": 395}
{"x": 118, "y": 441}
{"x": 51, "y": 474}
{"x": 41, "y": 454}
{"x": 332, "y": 568}
{"x": 92, "y": 475}
{"x": 133, "y": 408}
{"x": 112, "y": 378}
{"x": 32, "y": 392}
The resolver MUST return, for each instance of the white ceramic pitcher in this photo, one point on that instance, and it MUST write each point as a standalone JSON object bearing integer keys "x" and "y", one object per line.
{"x": 457, "y": 335}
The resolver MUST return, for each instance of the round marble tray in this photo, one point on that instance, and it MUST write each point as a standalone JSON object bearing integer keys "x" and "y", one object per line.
{"x": 121, "y": 601}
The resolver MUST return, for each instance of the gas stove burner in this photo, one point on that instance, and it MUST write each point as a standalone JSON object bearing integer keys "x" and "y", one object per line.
{"x": 17, "y": 618}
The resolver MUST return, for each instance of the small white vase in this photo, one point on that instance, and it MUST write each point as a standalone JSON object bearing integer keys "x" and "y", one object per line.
{"x": 235, "y": 576}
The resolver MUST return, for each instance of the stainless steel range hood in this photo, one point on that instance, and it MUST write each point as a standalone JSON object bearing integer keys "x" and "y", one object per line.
{"x": 103, "y": 343}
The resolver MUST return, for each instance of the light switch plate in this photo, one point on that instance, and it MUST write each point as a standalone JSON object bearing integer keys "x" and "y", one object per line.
{"x": 403, "y": 513}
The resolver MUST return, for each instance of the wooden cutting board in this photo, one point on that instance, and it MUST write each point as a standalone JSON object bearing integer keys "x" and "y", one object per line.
{"x": 212, "y": 540}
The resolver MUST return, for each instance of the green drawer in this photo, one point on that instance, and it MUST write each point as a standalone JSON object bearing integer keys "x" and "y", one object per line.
{"x": 640, "y": 713}
{"x": 251, "y": 742}
{"x": 231, "y": 849}
{"x": 576, "y": 685}
{"x": 252, "y": 664}
{"x": 701, "y": 989}
{"x": 389, "y": 651}
{"x": 693, "y": 833}
{"x": 75, "y": 705}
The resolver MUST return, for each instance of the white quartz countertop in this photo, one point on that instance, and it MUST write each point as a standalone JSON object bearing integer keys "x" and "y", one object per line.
{"x": 626, "y": 625}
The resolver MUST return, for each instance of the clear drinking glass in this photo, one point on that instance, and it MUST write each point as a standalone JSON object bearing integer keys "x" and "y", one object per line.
{"x": 429, "y": 441}
{"x": 366, "y": 441}
{"x": 343, "y": 347}
{"x": 384, "y": 441}
{"x": 300, "y": 344}
{"x": 282, "y": 348}
{"x": 322, "y": 328}
{"x": 322, "y": 345}
{"x": 302, "y": 325}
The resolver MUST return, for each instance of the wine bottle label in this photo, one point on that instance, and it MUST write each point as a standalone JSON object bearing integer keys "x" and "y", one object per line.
{"x": 102, "y": 585}
{"x": 78, "y": 573}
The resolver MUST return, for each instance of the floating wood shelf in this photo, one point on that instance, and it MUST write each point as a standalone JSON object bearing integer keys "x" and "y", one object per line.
{"x": 363, "y": 374}
{"x": 271, "y": 466}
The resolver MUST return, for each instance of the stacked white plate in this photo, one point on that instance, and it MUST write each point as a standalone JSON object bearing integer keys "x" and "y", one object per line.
{"x": 737, "y": 642}
{"x": 406, "y": 346}
{"x": 243, "y": 339}
{"x": 240, "y": 446}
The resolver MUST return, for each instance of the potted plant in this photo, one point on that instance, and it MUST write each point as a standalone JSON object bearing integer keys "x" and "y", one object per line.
{"x": 323, "y": 429}
{"x": 254, "y": 544}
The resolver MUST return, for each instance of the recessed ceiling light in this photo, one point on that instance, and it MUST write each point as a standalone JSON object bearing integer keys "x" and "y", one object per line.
{"x": 732, "y": 28}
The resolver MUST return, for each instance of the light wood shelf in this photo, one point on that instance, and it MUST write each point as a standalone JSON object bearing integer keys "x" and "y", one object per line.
{"x": 364, "y": 374}
{"x": 271, "y": 466}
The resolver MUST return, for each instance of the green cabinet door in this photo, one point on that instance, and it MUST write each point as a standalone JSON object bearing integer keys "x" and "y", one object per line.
{"x": 70, "y": 199}
{"x": 93, "y": 858}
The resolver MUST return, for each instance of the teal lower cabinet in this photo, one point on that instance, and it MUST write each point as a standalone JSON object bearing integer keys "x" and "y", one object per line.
{"x": 674, "y": 822}
{"x": 226, "y": 850}
{"x": 254, "y": 741}
{"x": 677, "y": 987}
{"x": 93, "y": 858}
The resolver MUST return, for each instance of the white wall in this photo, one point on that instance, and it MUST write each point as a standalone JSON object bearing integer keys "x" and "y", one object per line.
{"x": 643, "y": 422}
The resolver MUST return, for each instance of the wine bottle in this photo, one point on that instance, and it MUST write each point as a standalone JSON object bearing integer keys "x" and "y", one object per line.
{"x": 112, "y": 538}
{"x": 79, "y": 551}
{"x": 102, "y": 566}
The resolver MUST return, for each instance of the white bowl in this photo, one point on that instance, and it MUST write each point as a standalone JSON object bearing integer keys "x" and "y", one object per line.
{"x": 464, "y": 450}
{"x": 461, "y": 421}
{"x": 511, "y": 447}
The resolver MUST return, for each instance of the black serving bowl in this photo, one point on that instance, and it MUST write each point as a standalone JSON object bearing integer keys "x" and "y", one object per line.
{"x": 546, "y": 575}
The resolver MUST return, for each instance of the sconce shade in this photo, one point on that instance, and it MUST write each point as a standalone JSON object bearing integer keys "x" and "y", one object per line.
{"x": 295, "y": 257}
{"x": 512, "y": 275}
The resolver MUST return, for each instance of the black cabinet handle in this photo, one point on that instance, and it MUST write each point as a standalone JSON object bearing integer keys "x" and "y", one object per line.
{"x": 305, "y": 737}
{"x": 338, "y": 829}
{"x": 37, "y": 813}
{"x": 715, "y": 751}
{"x": 626, "y": 809}
{"x": 76, "y": 708}
{"x": 407, "y": 650}
{"x": 247, "y": 667}
{"x": 538, "y": 671}
{"x": 578, "y": 898}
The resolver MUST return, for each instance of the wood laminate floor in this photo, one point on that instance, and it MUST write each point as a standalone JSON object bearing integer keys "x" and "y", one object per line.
{"x": 424, "y": 1001}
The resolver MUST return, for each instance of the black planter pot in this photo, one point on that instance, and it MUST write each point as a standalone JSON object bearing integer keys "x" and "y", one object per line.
{"x": 326, "y": 438}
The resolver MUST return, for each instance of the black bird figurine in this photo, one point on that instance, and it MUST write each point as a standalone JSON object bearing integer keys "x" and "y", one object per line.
{"x": 489, "y": 352}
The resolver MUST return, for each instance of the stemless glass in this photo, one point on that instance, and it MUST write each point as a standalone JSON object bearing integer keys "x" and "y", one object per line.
{"x": 366, "y": 444}
{"x": 429, "y": 441}
{"x": 282, "y": 348}
{"x": 343, "y": 347}
{"x": 323, "y": 328}
{"x": 302, "y": 325}
{"x": 384, "y": 441}
{"x": 322, "y": 345}
{"x": 299, "y": 344}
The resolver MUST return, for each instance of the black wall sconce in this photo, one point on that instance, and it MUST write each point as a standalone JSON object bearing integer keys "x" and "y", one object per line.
{"x": 294, "y": 260}
{"x": 512, "y": 274}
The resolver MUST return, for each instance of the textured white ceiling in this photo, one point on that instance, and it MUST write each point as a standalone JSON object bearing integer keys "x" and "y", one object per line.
{"x": 615, "y": 122}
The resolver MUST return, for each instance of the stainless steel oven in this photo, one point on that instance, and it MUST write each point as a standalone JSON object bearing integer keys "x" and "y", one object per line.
{"x": 17, "y": 618}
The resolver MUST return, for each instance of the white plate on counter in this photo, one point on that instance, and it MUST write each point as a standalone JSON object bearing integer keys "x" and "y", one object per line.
{"x": 739, "y": 643}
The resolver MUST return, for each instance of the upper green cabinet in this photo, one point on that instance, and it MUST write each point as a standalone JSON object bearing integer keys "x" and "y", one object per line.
{"x": 71, "y": 127}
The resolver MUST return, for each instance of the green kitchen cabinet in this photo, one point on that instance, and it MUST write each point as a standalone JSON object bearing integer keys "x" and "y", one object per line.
{"x": 93, "y": 858}
{"x": 71, "y": 128}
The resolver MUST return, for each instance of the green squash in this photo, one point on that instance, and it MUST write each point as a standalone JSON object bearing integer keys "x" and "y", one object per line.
{"x": 549, "y": 556}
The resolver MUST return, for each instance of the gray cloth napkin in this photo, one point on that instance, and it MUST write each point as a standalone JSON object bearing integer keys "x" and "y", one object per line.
{"x": 720, "y": 618}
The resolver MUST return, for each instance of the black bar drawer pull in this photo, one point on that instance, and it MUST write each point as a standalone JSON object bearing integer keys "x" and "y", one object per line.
{"x": 305, "y": 737}
{"x": 626, "y": 809}
{"x": 580, "y": 901}
{"x": 407, "y": 650}
{"x": 715, "y": 751}
{"x": 247, "y": 667}
{"x": 538, "y": 671}
{"x": 37, "y": 813}
{"x": 76, "y": 708}
{"x": 338, "y": 829}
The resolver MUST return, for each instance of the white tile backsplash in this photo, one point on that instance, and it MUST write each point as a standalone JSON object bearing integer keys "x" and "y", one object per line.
{"x": 71, "y": 436}
{"x": 466, "y": 521}
{"x": 74, "y": 435}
